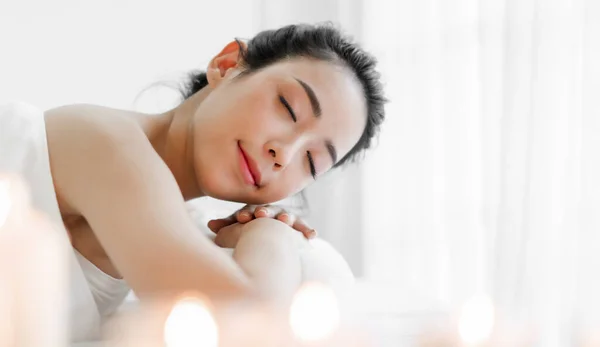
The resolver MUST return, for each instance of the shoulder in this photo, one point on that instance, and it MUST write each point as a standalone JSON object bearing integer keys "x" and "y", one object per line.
{"x": 86, "y": 123}
{"x": 78, "y": 134}
{"x": 87, "y": 144}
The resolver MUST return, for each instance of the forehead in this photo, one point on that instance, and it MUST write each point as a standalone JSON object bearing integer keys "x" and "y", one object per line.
{"x": 339, "y": 93}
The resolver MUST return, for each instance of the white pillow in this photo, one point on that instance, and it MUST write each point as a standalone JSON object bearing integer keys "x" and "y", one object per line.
{"x": 324, "y": 264}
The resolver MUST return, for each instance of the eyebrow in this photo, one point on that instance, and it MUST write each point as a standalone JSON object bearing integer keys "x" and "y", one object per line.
{"x": 314, "y": 101}
{"x": 316, "y": 108}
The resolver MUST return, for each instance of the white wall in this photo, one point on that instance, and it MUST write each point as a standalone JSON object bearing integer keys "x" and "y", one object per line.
{"x": 106, "y": 52}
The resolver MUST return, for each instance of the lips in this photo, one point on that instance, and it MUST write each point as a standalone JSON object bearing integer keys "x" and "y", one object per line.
{"x": 249, "y": 169}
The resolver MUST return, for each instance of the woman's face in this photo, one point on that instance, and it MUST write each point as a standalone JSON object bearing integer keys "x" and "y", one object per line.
{"x": 260, "y": 138}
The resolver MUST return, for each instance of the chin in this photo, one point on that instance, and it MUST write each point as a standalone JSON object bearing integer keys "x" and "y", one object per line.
{"x": 241, "y": 197}
{"x": 218, "y": 189}
{"x": 218, "y": 193}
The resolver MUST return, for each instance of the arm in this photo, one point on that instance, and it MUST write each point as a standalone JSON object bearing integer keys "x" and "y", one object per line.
{"x": 108, "y": 172}
{"x": 268, "y": 251}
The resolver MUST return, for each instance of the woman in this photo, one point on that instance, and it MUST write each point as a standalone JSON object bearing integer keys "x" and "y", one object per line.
{"x": 265, "y": 120}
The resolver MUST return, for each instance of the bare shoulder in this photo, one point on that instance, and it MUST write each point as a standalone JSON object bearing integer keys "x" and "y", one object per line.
{"x": 76, "y": 122}
{"x": 88, "y": 137}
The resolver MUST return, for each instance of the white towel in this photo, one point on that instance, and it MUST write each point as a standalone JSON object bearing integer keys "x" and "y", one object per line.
{"x": 24, "y": 151}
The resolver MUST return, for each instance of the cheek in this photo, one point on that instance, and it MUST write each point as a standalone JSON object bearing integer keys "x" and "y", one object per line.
{"x": 214, "y": 163}
{"x": 287, "y": 185}
{"x": 232, "y": 103}
{"x": 254, "y": 112}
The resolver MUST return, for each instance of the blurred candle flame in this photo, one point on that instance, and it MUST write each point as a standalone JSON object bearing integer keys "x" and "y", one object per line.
{"x": 190, "y": 323}
{"x": 5, "y": 200}
{"x": 314, "y": 314}
{"x": 34, "y": 293}
{"x": 14, "y": 201}
{"x": 476, "y": 320}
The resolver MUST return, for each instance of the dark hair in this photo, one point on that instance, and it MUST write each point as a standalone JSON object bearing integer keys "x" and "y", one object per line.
{"x": 323, "y": 42}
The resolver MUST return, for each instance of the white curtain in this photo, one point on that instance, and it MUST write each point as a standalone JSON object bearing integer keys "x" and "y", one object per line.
{"x": 487, "y": 176}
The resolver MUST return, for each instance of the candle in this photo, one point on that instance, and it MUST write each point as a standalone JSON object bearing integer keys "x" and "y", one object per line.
{"x": 312, "y": 320}
{"x": 187, "y": 321}
{"x": 476, "y": 320}
{"x": 191, "y": 324}
{"x": 33, "y": 271}
{"x": 474, "y": 327}
{"x": 42, "y": 285}
{"x": 9, "y": 197}
{"x": 6, "y": 284}
{"x": 591, "y": 339}
{"x": 314, "y": 313}
{"x": 14, "y": 203}
{"x": 315, "y": 320}
{"x": 477, "y": 326}
{"x": 5, "y": 201}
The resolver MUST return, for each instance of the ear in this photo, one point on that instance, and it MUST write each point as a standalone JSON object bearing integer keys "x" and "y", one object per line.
{"x": 224, "y": 63}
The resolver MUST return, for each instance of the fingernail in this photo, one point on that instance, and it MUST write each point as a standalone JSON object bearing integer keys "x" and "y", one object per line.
{"x": 285, "y": 217}
{"x": 245, "y": 214}
{"x": 313, "y": 234}
{"x": 262, "y": 211}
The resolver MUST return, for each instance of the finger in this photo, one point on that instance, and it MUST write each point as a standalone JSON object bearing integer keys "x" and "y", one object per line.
{"x": 266, "y": 211}
{"x": 287, "y": 218}
{"x": 217, "y": 224}
{"x": 244, "y": 215}
{"x": 307, "y": 231}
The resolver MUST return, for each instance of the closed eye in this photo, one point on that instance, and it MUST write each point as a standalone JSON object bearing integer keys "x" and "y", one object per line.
{"x": 311, "y": 163}
{"x": 288, "y": 107}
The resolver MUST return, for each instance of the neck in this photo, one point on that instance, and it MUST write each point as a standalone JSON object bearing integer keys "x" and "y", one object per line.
{"x": 171, "y": 136}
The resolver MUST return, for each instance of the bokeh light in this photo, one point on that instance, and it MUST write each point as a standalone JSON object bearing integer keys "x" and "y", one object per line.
{"x": 314, "y": 313}
{"x": 5, "y": 201}
{"x": 190, "y": 323}
{"x": 476, "y": 320}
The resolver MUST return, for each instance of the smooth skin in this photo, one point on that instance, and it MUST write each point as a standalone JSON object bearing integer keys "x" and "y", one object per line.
{"x": 122, "y": 178}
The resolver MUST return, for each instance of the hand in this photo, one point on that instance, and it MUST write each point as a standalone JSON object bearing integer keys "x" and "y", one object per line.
{"x": 251, "y": 212}
{"x": 229, "y": 235}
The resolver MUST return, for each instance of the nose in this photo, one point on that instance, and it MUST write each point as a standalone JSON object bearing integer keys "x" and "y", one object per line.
{"x": 282, "y": 153}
